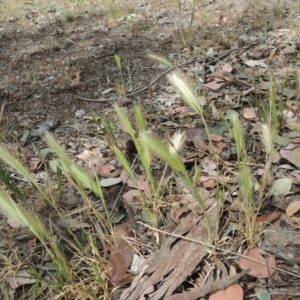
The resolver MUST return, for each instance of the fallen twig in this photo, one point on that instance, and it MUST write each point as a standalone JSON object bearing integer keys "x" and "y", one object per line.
{"x": 206, "y": 61}
{"x": 220, "y": 249}
{"x": 212, "y": 287}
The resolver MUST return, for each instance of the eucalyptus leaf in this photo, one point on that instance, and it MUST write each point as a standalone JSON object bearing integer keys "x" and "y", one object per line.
{"x": 281, "y": 186}
{"x": 118, "y": 218}
{"x": 282, "y": 140}
{"x": 45, "y": 151}
{"x": 163, "y": 66}
{"x": 110, "y": 181}
{"x": 263, "y": 295}
{"x": 25, "y": 135}
{"x": 53, "y": 165}
{"x": 58, "y": 162}
{"x": 151, "y": 218}
{"x": 210, "y": 52}
{"x": 107, "y": 91}
{"x": 218, "y": 129}
{"x": 230, "y": 114}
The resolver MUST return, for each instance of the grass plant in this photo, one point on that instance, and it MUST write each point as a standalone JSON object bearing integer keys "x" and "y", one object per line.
{"x": 250, "y": 203}
{"x": 152, "y": 196}
{"x": 83, "y": 255}
{"x": 146, "y": 145}
{"x": 31, "y": 220}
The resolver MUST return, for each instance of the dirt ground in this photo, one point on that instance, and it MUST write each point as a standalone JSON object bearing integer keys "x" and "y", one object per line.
{"x": 41, "y": 55}
{"x": 39, "y": 58}
{"x": 39, "y": 61}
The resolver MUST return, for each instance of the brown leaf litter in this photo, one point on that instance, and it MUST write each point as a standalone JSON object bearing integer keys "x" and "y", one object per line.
{"x": 176, "y": 259}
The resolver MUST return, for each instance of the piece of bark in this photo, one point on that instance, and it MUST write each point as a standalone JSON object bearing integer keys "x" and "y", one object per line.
{"x": 177, "y": 259}
{"x": 201, "y": 291}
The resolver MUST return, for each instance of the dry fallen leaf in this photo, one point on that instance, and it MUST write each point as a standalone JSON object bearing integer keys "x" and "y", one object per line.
{"x": 15, "y": 224}
{"x": 179, "y": 110}
{"x": 216, "y": 137}
{"x": 290, "y": 49}
{"x": 275, "y": 157}
{"x": 256, "y": 269}
{"x": 214, "y": 85}
{"x": 106, "y": 169}
{"x": 296, "y": 140}
{"x": 293, "y": 208}
{"x": 233, "y": 292}
{"x": 148, "y": 290}
{"x": 215, "y": 112}
{"x": 76, "y": 224}
{"x": 130, "y": 195}
{"x": 19, "y": 278}
{"x": 268, "y": 218}
{"x": 220, "y": 146}
{"x": 246, "y": 92}
{"x": 256, "y": 63}
{"x": 123, "y": 101}
{"x": 249, "y": 113}
{"x": 208, "y": 163}
{"x": 106, "y": 182}
{"x": 94, "y": 163}
{"x": 140, "y": 183}
{"x": 88, "y": 153}
{"x": 207, "y": 182}
{"x": 121, "y": 255}
{"x": 31, "y": 243}
{"x": 193, "y": 132}
{"x": 76, "y": 81}
{"x": 225, "y": 68}
{"x": 177, "y": 212}
{"x": 35, "y": 164}
{"x": 272, "y": 53}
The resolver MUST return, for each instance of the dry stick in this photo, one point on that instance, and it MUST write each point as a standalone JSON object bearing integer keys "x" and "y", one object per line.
{"x": 209, "y": 288}
{"x": 31, "y": 93}
{"x": 94, "y": 56}
{"x": 217, "y": 248}
{"x": 194, "y": 59}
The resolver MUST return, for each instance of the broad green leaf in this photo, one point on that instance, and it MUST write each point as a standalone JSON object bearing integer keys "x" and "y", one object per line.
{"x": 230, "y": 114}
{"x": 281, "y": 186}
{"x": 25, "y": 136}
{"x": 118, "y": 218}
{"x": 218, "y": 129}
{"x": 45, "y": 151}
{"x": 282, "y": 140}
{"x": 53, "y": 165}
{"x": 163, "y": 66}
{"x": 263, "y": 295}
{"x": 151, "y": 218}
{"x": 58, "y": 162}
